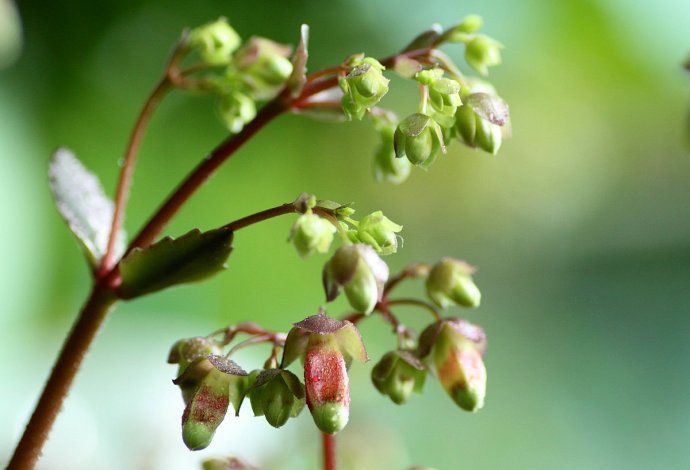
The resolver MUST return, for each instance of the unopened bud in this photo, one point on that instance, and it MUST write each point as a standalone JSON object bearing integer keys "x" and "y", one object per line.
{"x": 483, "y": 52}
{"x": 379, "y": 232}
{"x": 419, "y": 138}
{"x": 311, "y": 233}
{"x": 360, "y": 272}
{"x": 450, "y": 281}
{"x": 363, "y": 86}
{"x": 215, "y": 41}
{"x": 236, "y": 109}
{"x": 263, "y": 66}
{"x": 398, "y": 374}
{"x": 190, "y": 354}
{"x": 386, "y": 166}
{"x": 278, "y": 395}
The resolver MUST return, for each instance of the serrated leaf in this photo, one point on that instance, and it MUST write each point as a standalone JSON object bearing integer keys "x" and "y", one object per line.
{"x": 299, "y": 63}
{"x": 81, "y": 201}
{"x": 192, "y": 257}
{"x": 489, "y": 107}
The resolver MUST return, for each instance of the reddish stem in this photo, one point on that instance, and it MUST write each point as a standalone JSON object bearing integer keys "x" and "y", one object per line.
{"x": 329, "y": 452}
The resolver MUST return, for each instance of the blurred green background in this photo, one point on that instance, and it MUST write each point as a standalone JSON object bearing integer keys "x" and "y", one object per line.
{"x": 580, "y": 227}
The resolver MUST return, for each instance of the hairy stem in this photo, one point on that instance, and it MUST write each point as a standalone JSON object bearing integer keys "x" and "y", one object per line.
{"x": 416, "y": 302}
{"x": 329, "y": 452}
{"x": 65, "y": 369}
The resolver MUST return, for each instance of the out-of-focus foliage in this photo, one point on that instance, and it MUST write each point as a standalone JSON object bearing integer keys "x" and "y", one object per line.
{"x": 579, "y": 226}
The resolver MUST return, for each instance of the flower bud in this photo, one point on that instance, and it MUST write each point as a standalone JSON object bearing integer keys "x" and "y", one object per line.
{"x": 456, "y": 348}
{"x": 483, "y": 52}
{"x": 444, "y": 96}
{"x": 224, "y": 384}
{"x": 478, "y": 122}
{"x": 379, "y": 232}
{"x": 278, "y": 395}
{"x": 215, "y": 41}
{"x": 386, "y": 166}
{"x": 230, "y": 463}
{"x": 450, "y": 281}
{"x": 236, "y": 109}
{"x": 311, "y": 233}
{"x": 418, "y": 137}
{"x": 328, "y": 347}
{"x": 398, "y": 374}
{"x": 264, "y": 66}
{"x": 363, "y": 86}
{"x": 359, "y": 271}
{"x": 190, "y": 354}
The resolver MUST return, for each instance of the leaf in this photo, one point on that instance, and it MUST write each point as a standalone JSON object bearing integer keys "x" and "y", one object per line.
{"x": 489, "y": 107}
{"x": 299, "y": 63}
{"x": 81, "y": 201}
{"x": 192, "y": 257}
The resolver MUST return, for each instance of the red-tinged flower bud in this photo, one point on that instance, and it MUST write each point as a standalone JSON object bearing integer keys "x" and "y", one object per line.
{"x": 327, "y": 386}
{"x": 190, "y": 354}
{"x": 456, "y": 347}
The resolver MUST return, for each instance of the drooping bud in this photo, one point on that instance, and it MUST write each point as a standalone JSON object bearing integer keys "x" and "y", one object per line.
{"x": 223, "y": 385}
{"x": 478, "y": 122}
{"x": 450, "y": 281}
{"x": 456, "y": 347}
{"x": 264, "y": 66}
{"x": 278, "y": 395}
{"x": 419, "y": 138}
{"x": 359, "y": 271}
{"x": 190, "y": 354}
{"x": 363, "y": 86}
{"x": 483, "y": 52}
{"x": 398, "y": 374}
{"x": 215, "y": 41}
{"x": 386, "y": 166}
{"x": 444, "y": 96}
{"x": 311, "y": 233}
{"x": 230, "y": 463}
{"x": 236, "y": 109}
{"x": 328, "y": 347}
{"x": 379, "y": 232}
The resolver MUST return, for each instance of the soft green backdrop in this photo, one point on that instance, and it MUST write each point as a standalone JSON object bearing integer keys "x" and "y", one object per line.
{"x": 580, "y": 227}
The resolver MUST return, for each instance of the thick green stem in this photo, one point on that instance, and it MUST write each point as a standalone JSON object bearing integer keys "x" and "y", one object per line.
{"x": 65, "y": 369}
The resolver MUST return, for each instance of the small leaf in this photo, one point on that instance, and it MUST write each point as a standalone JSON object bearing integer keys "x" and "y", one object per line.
{"x": 489, "y": 107}
{"x": 192, "y": 257}
{"x": 81, "y": 201}
{"x": 299, "y": 63}
{"x": 425, "y": 40}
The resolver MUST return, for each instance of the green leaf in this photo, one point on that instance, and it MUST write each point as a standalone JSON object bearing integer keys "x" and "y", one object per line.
{"x": 192, "y": 257}
{"x": 81, "y": 201}
{"x": 299, "y": 63}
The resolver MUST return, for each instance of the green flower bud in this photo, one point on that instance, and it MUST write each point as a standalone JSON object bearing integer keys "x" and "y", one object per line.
{"x": 386, "y": 166}
{"x": 488, "y": 136}
{"x": 379, "y": 232}
{"x": 224, "y": 384}
{"x": 476, "y": 131}
{"x": 444, "y": 95}
{"x": 311, "y": 233}
{"x": 456, "y": 348}
{"x": 363, "y": 86}
{"x": 483, "y": 52}
{"x": 236, "y": 109}
{"x": 191, "y": 355}
{"x": 419, "y": 138}
{"x": 398, "y": 374}
{"x": 359, "y": 271}
{"x": 264, "y": 66}
{"x": 230, "y": 463}
{"x": 450, "y": 281}
{"x": 215, "y": 41}
{"x": 278, "y": 395}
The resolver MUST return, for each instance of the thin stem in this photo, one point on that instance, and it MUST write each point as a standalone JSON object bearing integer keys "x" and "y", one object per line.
{"x": 329, "y": 452}
{"x": 65, "y": 369}
{"x": 277, "y": 211}
{"x": 411, "y": 271}
{"x": 416, "y": 302}
{"x": 424, "y": 97}
{"x": 277, "y": 339}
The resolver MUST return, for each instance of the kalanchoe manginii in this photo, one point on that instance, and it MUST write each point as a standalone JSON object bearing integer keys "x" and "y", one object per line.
{"x": 311, "y": 233}
{"x": 215, "y": 41}
{"x": 398, "y": 374}
{"x": 363, "y": 86}
{"x": 190, "y": 354}
{"x": 444, "y": 96}
{"x": 419, "y": 138}
{"x": 386, "y": 166}
{"x": 276, "y": 394}
{"x": 328, "y": 347}
{"x": 455, "y": 348}
{"x": 262, "y": 66}
{"x": 359, "y": 271}
{"x": 377, "y": 231}
{"x": 450, "y": 281}
{"x": 223, "y": 385}
{"x": 236, "y": 109}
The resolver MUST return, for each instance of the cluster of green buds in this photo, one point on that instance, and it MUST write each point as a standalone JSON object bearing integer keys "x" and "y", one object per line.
{"x": 450, "y": 282}
{"x": 363, "y": 85}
